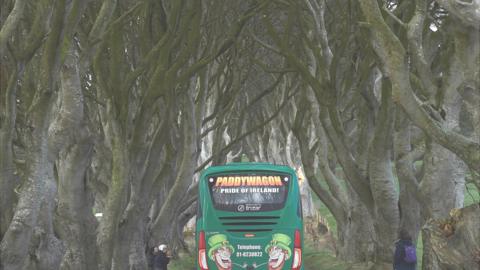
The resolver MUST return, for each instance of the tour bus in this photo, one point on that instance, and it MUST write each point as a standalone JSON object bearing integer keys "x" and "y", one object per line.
{"x": 249, "y": 217}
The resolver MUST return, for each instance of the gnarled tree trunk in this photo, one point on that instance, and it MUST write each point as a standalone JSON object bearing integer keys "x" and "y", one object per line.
{"x": 356, "y": 233}
{"x": 382, "y": 183}
{"x": 76, "y": 223}
{"x": 455, "y": 241}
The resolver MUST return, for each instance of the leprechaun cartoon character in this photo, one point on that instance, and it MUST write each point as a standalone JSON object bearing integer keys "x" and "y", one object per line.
{"x": 278, "y": 251}
{"x": 220, "y": 251}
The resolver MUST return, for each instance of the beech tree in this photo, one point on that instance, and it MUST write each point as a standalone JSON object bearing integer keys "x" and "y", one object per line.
{"x": 132, "y": 97}
{"x": 348, "y": 78}
{"x": 114, "y": 107}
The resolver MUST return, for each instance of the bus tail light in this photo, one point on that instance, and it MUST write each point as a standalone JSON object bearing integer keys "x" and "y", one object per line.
{"x": 297, "y": 252}
{"x": 202, "y": 251}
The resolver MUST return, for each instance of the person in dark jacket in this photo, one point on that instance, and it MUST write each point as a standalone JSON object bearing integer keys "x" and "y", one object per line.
{"x": 405, "y": 256}
{"x": 160, "y": 258}
{"x": 150, "y": 256}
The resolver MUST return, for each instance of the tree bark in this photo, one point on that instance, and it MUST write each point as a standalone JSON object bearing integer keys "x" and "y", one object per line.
{"x": 443, "y": 184}
{"x": 76, "y": 223}
{"x": 382, "y": 183}
{"x": 15, "y": 242}
{"x": 464, "y": 11}
{"x": 356, "y": 233}
{"x": 454, "y": 241}
{"x": 162, "y": 229}
{"x": 394, "y": 58}
{"x": 8, "y": 179}
{"x": 115, "y": 202}
{"x": 46, "y": 250}
{"x": 355, "y": 227}
{"x": 10, "y": 23}
{"x": 409, "y": 205}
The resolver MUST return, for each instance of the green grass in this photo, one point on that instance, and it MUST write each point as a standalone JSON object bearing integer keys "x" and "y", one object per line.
{"x": 321, "y": 259}
{"x": 325, "y": 213}
{"x": 471, "y": 195}
{"x": 186, "y": 262}
{"x": 419, "y": 251}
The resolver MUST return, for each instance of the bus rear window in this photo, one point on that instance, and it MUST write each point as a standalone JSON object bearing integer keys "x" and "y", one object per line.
{"x": 249, "y": 193}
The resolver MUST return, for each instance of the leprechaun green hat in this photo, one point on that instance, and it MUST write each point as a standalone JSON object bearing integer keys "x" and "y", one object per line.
{"x": 281, "y": 240}
{"x": 217, "y": 241}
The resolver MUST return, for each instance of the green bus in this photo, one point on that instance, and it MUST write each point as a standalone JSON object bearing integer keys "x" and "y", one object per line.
{"x": 249, "y": 217}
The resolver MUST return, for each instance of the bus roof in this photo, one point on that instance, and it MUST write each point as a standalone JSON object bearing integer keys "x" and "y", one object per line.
{"x": 247, "y": 166}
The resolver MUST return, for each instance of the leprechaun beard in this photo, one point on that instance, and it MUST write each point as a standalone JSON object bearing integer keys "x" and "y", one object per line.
{"x": 276, "y": 260}
{"x": 223, "y": 261}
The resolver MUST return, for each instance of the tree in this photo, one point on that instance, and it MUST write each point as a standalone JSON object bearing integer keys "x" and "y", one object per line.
{"x": 114, "y": 107}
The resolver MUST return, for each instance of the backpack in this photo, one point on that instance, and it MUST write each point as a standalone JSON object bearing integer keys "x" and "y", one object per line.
{"x": 410, "y": 254}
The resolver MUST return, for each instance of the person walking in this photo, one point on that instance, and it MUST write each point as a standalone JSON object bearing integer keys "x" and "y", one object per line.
{"x": 405, "y": 257}
{"x": 160, "y": 258}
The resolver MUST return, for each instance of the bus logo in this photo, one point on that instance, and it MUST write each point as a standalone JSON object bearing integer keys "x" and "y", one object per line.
{"x": 249, "y": 181}
{"x": 253, "y": 207}
{"x": 241, "y": 208}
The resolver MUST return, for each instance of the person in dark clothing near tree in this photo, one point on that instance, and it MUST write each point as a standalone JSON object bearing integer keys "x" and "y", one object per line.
{"x": 150, "y": 256}
{"x": 160, "y": 258}
{"x": 405, "y": 257}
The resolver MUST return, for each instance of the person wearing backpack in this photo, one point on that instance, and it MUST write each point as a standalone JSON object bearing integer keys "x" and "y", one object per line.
{"x": 405, "y": 257}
